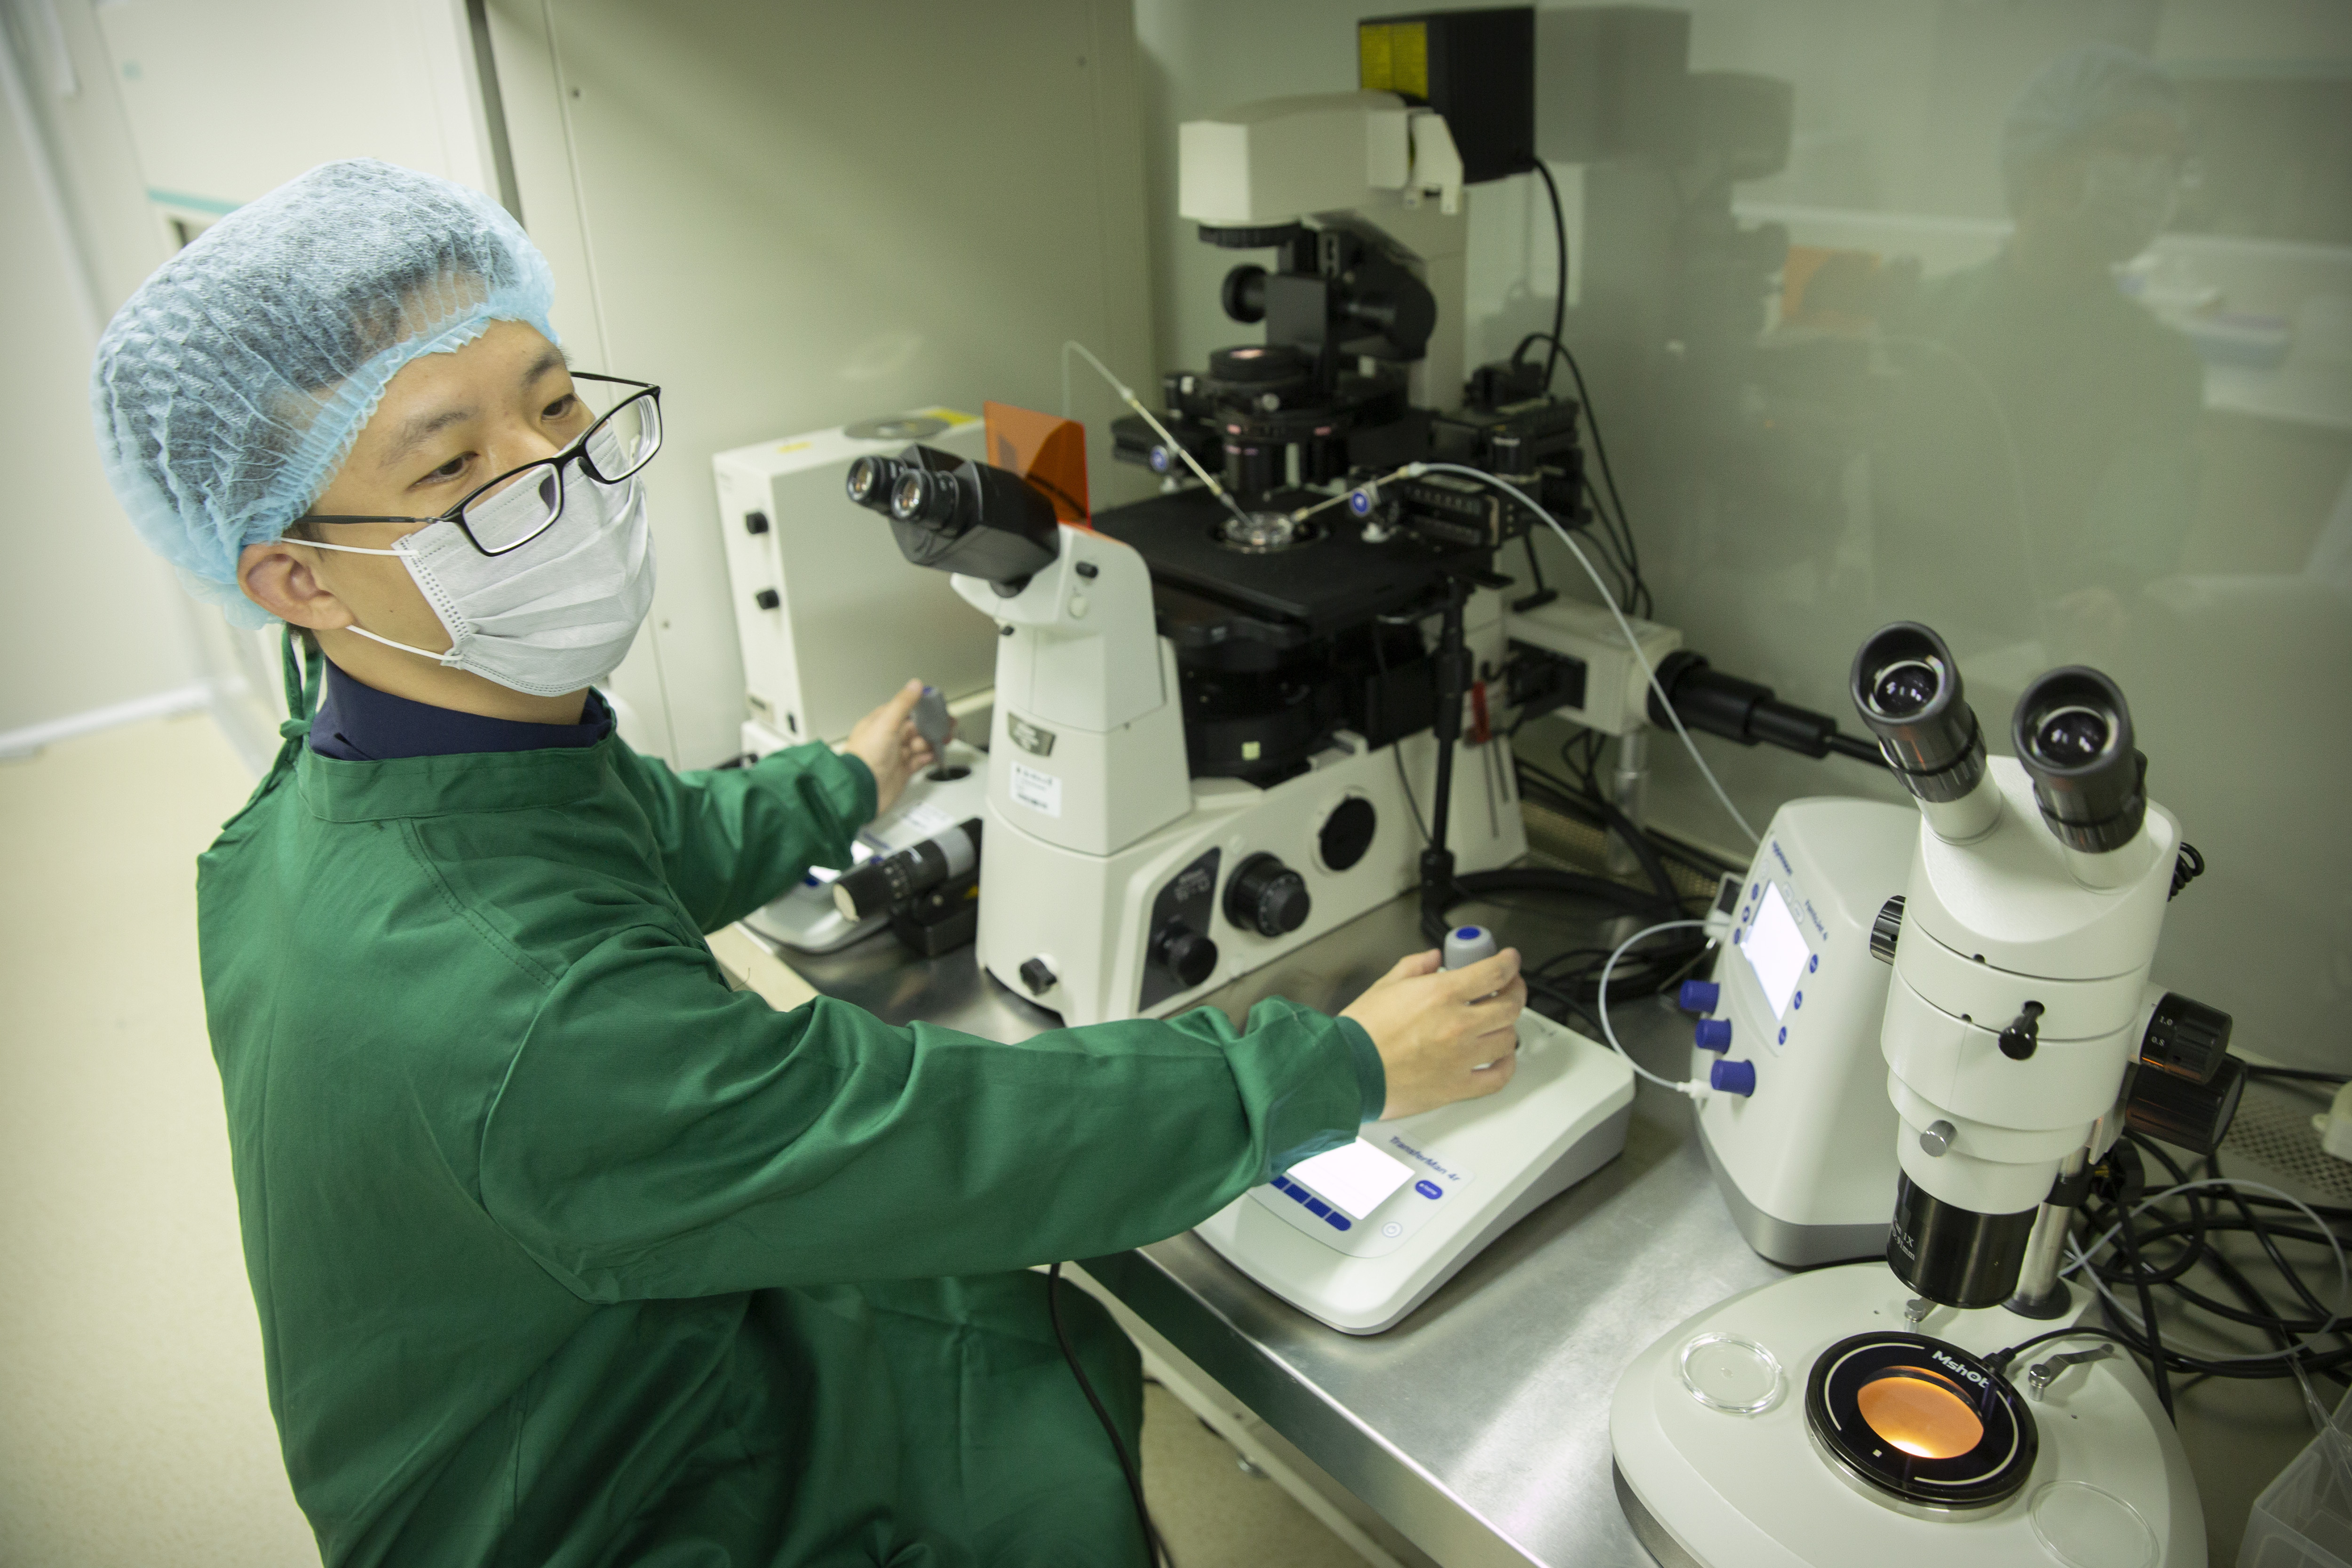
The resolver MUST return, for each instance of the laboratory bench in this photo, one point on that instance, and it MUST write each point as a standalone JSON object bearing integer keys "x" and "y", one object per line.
{"x": 1478, "y": 1428}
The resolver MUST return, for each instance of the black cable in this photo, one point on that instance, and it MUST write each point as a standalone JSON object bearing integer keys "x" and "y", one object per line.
{"x": 1154, "y": 1547}
{"x": 2156, "y": 1369}
{"x": 2001, "y": 1360}
{"x": 2304, "y": 1074}
{"x": 1559, "y": 293}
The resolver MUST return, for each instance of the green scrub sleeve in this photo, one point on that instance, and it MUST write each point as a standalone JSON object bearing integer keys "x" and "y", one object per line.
{"x": 659, "y": 1135}
{"x": 733, "y": 838}
{"x": 1372, "y": 1078}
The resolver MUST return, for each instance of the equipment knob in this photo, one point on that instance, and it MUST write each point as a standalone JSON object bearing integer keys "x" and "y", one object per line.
{"x": 1035, "y": 975}
{"x": 1732, "y": 1078}
{"x": 2186, "y": 1038}
{"x": 1185, "y": 954}
{"x": 1267, "y": 897}
{"x": 1937, "y": 1138}
{"x": 1698, "y": 995}
{"x": 767, "y": 598}
{"x": 1886, "y": 930}
{"x": 755, "y": 523}
{"x": 1466, "y": 945}
{"x": 2023, "y": 1035}
{"x": 2182, "y": 1112}
{"x": 1713, "y": 1035}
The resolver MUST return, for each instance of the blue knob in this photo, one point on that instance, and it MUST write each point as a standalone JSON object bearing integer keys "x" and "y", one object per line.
{"x": 1732, "y": 1078}
{"x": 1699, "y": 996}
{"x": 1713, "y": 1035}
{"x": 1466, "y": 945}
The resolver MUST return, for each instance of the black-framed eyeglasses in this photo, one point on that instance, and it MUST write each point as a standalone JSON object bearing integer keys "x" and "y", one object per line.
{"x": 520, "y": 504}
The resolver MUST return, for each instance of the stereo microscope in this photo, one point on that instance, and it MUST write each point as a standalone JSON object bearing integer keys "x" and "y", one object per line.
{"x": 1865, "y": 1413}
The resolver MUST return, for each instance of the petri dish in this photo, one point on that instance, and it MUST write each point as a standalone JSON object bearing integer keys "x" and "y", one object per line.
{"x": 1724, "y": 1372}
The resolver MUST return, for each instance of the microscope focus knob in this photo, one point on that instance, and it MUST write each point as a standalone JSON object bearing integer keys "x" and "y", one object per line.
{"x": 1267, "y": 897}
{"x": 1185, "y": 954}
{"x": 1886, "y": 930}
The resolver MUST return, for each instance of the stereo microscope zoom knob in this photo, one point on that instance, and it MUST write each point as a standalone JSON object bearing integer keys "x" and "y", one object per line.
{"x": 1267, "y": 897}
{"x": 1886, "y": 930}
{"x": 1185, "y": 954}
{"x": 1036, "y": 975}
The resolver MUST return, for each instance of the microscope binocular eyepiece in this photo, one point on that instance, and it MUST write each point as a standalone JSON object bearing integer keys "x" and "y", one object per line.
{"x": 1906, "y": 687}
{"x": 959, "y": 515}
{"x": 871, "y": 480}
{"x": 2074, "y": 737}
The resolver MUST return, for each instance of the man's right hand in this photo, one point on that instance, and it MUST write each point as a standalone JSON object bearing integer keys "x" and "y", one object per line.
{"x": 1434, "y": 1029}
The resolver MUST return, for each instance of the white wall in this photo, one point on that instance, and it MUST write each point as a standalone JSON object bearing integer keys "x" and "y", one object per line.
{"x": 149, "y": 111}
{"x": 794, "y": 217}
{"x": 86, "y": 617}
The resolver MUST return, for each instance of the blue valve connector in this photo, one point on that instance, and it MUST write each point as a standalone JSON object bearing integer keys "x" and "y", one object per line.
{"x": 1698, "y": 995}
{"x": 1713, "y": 1035}
{"x": 1732, "y": 1078}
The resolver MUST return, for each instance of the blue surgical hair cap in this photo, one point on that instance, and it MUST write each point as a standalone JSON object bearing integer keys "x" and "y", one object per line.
{"x": 229, "y": 388}
{"x": 2072, "y": 96}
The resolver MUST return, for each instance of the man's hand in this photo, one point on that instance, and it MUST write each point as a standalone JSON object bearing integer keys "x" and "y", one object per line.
{"x": 885, "y": 742}
{"x": 1435, "y": 1027}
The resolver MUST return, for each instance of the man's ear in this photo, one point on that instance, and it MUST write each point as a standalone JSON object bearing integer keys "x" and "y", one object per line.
{"x": 279, "y": 577}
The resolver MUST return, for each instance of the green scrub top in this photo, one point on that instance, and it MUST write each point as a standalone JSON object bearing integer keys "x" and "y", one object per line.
{"x": 567, "y": 1253}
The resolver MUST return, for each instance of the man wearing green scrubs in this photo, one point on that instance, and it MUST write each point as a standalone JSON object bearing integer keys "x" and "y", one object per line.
{"x": 564, "y": 1251}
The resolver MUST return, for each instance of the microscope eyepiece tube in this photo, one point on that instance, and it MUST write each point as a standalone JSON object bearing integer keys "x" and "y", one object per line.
{"x": 2073, "y": 735}
{"x": 1907, "y": 689}
{"x": 872, "y": 480}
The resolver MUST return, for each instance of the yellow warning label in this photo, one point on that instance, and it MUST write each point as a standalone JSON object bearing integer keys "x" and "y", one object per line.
{"x": 1393, "y": 57}
{"x": 792, "y": 446}
{"x": 953, "y": 416}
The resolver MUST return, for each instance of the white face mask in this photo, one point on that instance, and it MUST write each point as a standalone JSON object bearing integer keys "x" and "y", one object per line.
{"x": 554, "y": 614}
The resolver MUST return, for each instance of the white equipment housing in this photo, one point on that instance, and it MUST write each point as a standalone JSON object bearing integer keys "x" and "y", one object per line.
{"x": 1807, "y": 1163}
{"x": 1089, "y": 796}
{"x": 2000, "y": 915}
{"x": 1614, "y": 696}
{"x": 1466, "y": 1172}
{"x": 830, "y": 621}
{"x": 1727, "y": 1490}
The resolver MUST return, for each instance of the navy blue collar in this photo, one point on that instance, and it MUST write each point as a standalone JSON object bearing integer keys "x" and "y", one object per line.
{"x": 357, "y": 723}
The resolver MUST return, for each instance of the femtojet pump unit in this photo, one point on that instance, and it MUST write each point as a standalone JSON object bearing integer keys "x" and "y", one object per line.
{"x": 1865, "y": 1413}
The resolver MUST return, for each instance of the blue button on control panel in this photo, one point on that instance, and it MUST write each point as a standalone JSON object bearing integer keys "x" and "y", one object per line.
{"x": 1336, "y": 1220}
{"x": 1429, "y": 1189}
{"x": 1318, "y": 1207}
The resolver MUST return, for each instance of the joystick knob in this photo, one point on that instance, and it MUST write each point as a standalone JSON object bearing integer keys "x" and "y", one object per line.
{"x": 1267, "y": 897}
{"x": 1185, "y": 954}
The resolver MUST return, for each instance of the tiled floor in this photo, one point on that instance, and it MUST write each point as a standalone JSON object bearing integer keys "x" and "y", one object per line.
{"x": 134, "y": 1430}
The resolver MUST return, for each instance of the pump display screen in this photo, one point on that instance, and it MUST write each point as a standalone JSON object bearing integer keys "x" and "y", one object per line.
{"x": 1776, "y": 950}
{"x": 1355, "y": 1178}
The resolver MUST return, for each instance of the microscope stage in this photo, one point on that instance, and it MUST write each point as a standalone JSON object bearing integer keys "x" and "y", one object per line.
{"x": 1327, "y": 583}
{"x": 1433, "y": 1189}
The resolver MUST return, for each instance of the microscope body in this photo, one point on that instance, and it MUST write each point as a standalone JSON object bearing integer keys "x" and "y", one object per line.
{"x": 2016, "y": 1010}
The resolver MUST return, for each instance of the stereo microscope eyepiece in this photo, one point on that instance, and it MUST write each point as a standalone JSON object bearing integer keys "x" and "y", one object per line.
{"x": 2073, "y": 735}
{"x": 1906, "y": 687}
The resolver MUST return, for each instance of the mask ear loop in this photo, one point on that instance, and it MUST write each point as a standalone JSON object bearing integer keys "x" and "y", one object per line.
{"x": 441, "y": 659}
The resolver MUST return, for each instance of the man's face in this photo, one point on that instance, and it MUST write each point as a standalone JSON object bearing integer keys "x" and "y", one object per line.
{"x": 447, "y": 424}
{"x": 2107, "y": 197}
